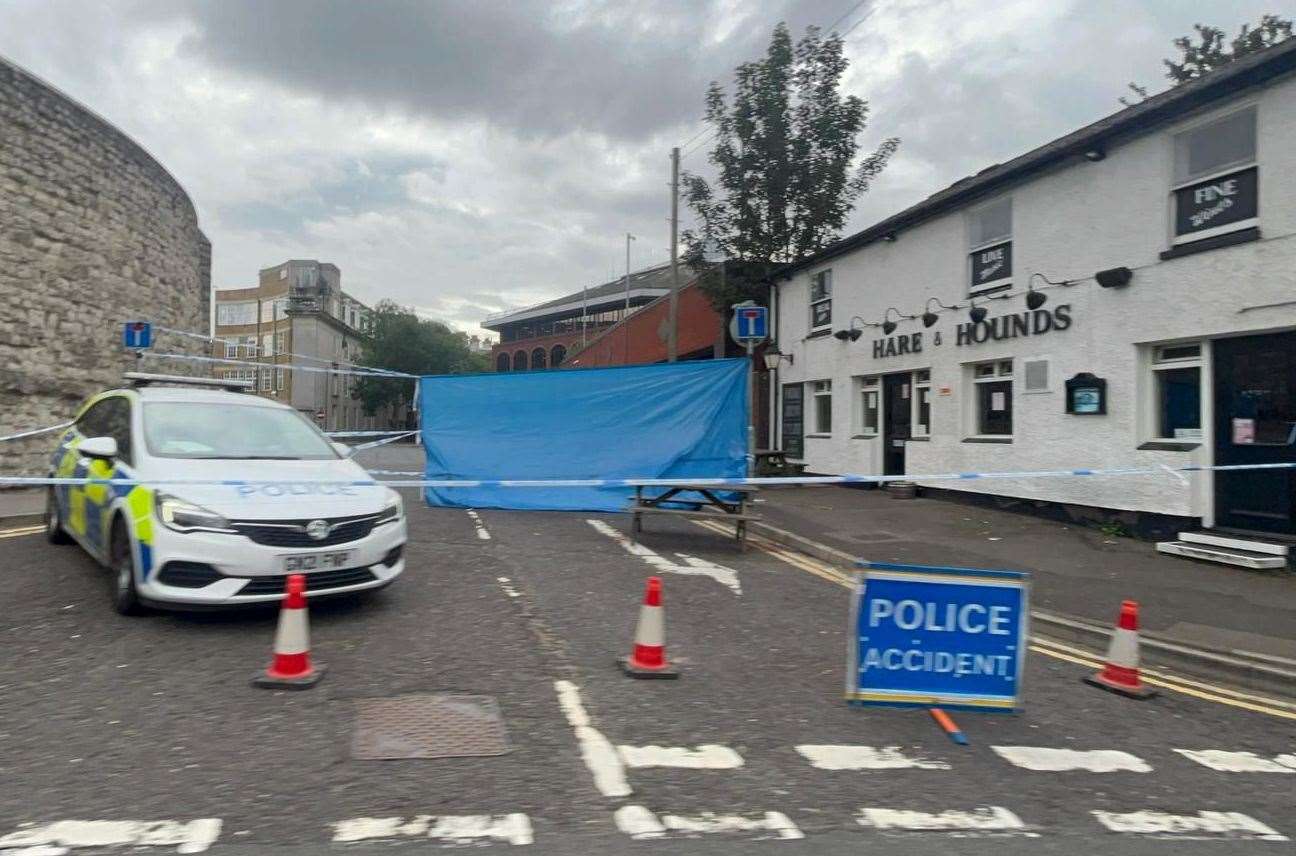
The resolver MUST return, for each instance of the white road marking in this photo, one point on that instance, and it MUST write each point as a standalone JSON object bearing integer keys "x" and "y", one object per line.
{"x": 832, "y": 757}
{"x": 1239, "y": 762}
{"x": 193, "y": 836}
{"x": 451, "y": 828}
{"x": 986, "y": 820}
{"x": 596, "y": 750}
{"x": 480, "y": 526}
{"x": 1204, "y": 825}
{"x": 692, "y": 566}
{"x": 507, "y": 585}
{"x": 638, "y": 822}
{"x": 1059, "y": 760}
{"x": 709, "y": 756}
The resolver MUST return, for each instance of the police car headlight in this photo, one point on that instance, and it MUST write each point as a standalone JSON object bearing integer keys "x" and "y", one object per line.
{"x": 185, "y": 516}
{"x": 394, "y": 510}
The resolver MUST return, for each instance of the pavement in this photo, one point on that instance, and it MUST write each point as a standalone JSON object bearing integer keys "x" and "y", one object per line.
{"x": 143, "y": 733}
{"x": 1076, "y": 571}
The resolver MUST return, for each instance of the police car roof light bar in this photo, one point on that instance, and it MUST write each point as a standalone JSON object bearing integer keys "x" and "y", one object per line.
{"x": 147, "y": 379}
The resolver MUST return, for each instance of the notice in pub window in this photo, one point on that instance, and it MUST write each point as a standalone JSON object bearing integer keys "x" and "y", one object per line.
{"x": 1243, "y": 432}
{"x": 996, "y": 401}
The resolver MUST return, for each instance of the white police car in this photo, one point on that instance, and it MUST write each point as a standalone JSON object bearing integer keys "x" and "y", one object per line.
{"x": 226, "y": 544}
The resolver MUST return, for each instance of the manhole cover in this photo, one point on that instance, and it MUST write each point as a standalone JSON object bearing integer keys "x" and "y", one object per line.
{"x": 428, "y": 726}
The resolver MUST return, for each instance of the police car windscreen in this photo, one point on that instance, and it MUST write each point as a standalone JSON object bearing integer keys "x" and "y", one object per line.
{"x": 198, "y": 430}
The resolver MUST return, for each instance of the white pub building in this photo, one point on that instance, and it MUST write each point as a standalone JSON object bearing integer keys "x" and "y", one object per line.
{"x": 1124, "y": 296}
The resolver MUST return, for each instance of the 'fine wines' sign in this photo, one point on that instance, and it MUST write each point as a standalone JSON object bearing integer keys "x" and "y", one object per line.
{"x": 1218, "y": 202}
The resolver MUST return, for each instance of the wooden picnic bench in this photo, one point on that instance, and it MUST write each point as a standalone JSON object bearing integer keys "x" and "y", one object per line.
{"x": 711, "y": 505}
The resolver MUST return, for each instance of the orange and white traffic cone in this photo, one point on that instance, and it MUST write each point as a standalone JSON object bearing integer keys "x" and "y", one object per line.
{"x": 1121, "y": 672}
{"x": 648, "y": 658}
{"x": 291, "y": 667}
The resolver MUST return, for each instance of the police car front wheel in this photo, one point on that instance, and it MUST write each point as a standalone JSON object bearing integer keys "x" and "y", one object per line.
{"x": 54, "y": 520}
{"x": 125, "y": 597}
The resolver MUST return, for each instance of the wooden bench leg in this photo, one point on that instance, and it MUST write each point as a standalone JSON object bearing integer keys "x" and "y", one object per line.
{"x": 636, "y": 526}
{"x": 740, "y": 529}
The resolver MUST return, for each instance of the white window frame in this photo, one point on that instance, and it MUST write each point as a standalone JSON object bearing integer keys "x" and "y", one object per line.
{"x": 866, "y": 386}
{"x": 921, "y": 384}
{"x": 1159, "y": 362}
{"x": 975, "y": 246}
{"x": 824, "y": 276}
{"x": 820, "y": 389}
{"x": 231, "y": 347}
{"x": 1177, "y": 184}
{"x": 1000, "y": 370}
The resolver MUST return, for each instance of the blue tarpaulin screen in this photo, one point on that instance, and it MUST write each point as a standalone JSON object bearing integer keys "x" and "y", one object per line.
{"x": 669, "y": 420}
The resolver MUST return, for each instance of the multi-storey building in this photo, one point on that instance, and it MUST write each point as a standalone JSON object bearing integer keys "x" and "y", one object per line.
{"x": 542, "y": 336}
{"x": 1124, "y": 296}
{"x": 298, "y": 314}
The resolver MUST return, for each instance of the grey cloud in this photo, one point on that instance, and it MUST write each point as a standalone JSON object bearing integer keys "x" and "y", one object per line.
{"x": 605, "y": 66}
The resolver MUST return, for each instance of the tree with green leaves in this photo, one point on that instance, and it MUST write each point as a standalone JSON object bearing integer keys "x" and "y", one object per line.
{"x": 786, "y": 155}
{"x": 1210, "y": 50}
{"x": 401, "y": 341}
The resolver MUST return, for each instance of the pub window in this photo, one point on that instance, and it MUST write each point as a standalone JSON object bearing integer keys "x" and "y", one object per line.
{"x": 990, "y": 247}
{"x": 821, "y": 299}
{"x": 821, "y": 392}
{"x": 265, "y": 379}
{"x": 869, "y": 399}
{"x": 231, "y": 347}
{"x": 993, "y": 382}
{"x": 1176, "y": 372}
{"x": 922, "y": 403}
{"x": 279, "y": 379}
{"x": 1215, "y": 177}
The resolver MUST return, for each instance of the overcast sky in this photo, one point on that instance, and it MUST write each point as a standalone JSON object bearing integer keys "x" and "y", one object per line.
{"x": 467, "y": 157}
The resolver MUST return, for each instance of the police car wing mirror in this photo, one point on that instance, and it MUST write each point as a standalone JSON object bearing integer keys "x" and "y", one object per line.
{"x": 342, "y": 449}
{"x": 98, "y": 448}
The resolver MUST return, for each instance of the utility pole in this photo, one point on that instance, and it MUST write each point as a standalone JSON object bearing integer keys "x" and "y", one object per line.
{"x": 672, "y": 335}
{"x": 626, "y": 316}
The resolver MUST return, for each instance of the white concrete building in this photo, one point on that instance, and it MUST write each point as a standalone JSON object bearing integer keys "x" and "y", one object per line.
{"x": 1182, "y": 351}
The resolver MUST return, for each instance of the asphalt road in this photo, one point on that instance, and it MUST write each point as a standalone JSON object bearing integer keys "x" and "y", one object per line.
{"x": 151, "y": 719}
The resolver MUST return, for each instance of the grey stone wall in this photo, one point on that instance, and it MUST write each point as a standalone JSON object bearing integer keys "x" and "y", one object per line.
{"x": 93, "y": 232}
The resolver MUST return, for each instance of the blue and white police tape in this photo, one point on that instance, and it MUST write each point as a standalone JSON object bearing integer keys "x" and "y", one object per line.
{"x": 383, "y": 442}
{"x": 401, "y": 431}
{"x": 35, "y": 432}
{"x": 657, "y": 482}
{"x": 253, "y": 364}
{"x": 210, "y": 339}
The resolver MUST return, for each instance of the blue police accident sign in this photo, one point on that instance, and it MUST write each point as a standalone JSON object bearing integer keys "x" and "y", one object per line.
{"x": 938, "y": 637}
{"x": 750, "y": 322}
{"x": 137, "y": 334}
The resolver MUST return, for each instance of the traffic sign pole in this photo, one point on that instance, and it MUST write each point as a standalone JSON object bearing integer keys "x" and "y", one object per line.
{"x": 748, "y": 326}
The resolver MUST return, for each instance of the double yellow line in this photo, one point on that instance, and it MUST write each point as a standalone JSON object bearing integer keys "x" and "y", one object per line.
{"x": 25, "y": 530}
{"x": 1040, "y": 645}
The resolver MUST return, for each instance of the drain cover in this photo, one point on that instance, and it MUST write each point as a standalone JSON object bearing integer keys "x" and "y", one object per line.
{"x": 428, "y": 726}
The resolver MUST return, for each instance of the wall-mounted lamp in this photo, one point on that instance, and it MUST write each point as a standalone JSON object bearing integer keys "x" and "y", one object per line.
{"x": 1115, "y": 277}
{"x": 854, "y": 332}
{"x": 1097, "y": 153}
{"x": 1036, "y": 299}
{"x": 976, "y": 313}
{"x": 889, "y": 326}
{"x": 929, "y": 317}
{"x": 773, "y": 357}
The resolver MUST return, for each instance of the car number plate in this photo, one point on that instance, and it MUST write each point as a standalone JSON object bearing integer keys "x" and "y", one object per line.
{"x": 318, "y": 561}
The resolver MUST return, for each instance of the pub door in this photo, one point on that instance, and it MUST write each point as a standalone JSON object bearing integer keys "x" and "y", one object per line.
{"x": 1255, "y": 423}
{"x": 897, "y": 421}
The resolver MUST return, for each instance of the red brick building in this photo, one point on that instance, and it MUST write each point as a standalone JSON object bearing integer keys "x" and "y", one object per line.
{"x": 544, "y": 336}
